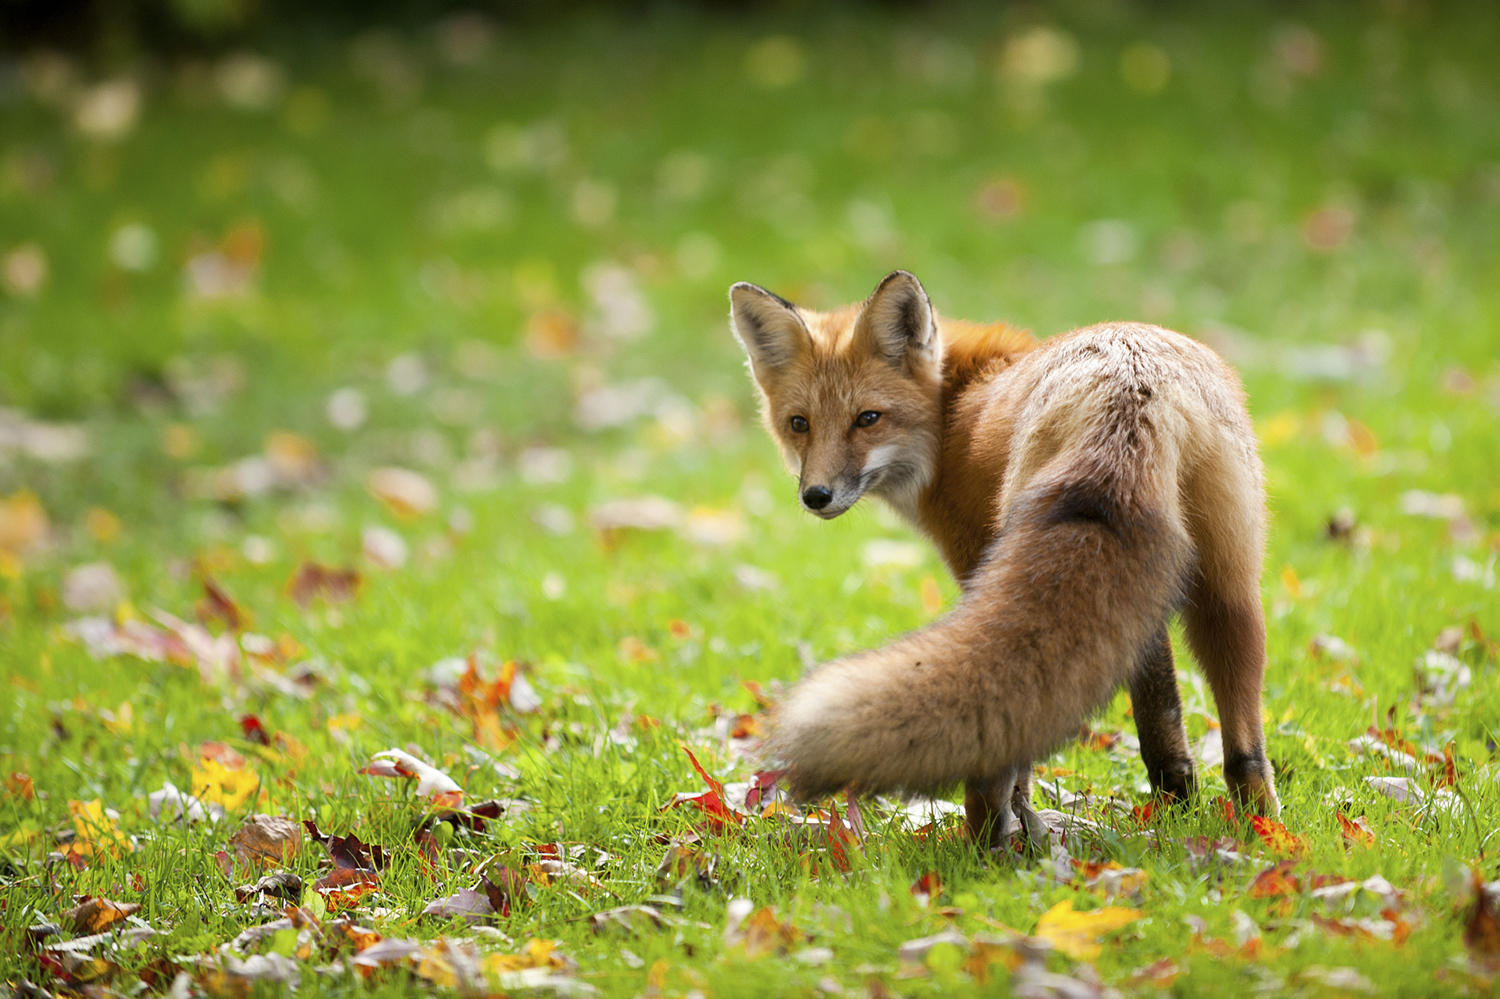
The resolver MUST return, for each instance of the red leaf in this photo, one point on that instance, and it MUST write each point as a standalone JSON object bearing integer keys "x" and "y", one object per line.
{"x": 1276, "y": 881}
{"x": 1355, "y": 831}
{"x": 254, "y": 730}
{"x": 762, "y": 784}
{"x": 927, "y": 887}
{"x": 343, "y": 886}
{"x": 711, "y": 802}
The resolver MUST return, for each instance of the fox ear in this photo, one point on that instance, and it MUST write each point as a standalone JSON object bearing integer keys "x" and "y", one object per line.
{"x": 897, "y": 320}
{"x": 768, "y": 327}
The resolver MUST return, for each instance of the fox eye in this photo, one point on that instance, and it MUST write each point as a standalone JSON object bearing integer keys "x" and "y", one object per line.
{"x": 866, "y": 418}
{"x": 799, "y": 424}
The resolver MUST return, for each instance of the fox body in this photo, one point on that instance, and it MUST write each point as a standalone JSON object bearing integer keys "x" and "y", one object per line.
{"x": 1081, "y": 489}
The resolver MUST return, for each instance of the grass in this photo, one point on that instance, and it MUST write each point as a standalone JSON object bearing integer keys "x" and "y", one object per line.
{"x": 453, "y": 240}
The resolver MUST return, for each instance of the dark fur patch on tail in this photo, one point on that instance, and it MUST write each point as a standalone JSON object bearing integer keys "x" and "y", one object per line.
{"x": 1087, "y": 503}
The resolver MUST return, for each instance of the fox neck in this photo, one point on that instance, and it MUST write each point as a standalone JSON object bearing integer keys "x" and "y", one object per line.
{"x": 957, "y": 504}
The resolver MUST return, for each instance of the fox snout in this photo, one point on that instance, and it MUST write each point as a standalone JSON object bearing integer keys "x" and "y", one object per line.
{"x": 832, "y": 499}
{"x": 816, "y": 498}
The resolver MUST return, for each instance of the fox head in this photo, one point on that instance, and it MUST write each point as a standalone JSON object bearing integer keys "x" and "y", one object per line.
{"x": 853, "y": 397}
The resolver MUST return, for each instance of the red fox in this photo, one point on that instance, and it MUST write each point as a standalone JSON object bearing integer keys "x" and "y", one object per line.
{"x": 1081, "y": 489}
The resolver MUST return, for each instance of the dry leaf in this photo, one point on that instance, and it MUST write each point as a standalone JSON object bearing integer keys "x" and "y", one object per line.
{"x": 266, "y": 839}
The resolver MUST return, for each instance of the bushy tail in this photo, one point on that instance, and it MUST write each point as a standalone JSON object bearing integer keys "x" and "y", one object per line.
{"x": 1086, "y": 568}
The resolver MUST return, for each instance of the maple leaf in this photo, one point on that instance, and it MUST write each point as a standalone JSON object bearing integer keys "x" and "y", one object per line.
{"x": 1076, "y": 934}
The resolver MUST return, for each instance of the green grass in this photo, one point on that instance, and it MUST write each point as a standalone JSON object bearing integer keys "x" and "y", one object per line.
{"x": 1293, "y": 193}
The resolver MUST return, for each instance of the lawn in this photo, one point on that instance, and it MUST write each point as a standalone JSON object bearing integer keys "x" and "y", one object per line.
{"x": 375, "y": 390}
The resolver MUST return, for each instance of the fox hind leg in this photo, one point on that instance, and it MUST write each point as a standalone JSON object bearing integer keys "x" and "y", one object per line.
{"x": 997, "y": 808}
{"x": 1228, "y": 637}
{"x": 1157, "y": 705}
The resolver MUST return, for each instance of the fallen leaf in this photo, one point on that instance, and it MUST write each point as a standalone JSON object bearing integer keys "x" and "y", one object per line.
{"x": 347, "y": 851}
{"x": 1277, "y": 838}
{"x": 95, "y": 915}
{"x": 312, "y": 581}
{"x": 926, "y": 888}
{"x": 1276, "y": 881}
{"x": 1482, "y": 925}
{"x": 628, "y": 918}
{"x": 217, "y": 605}
{"x": 281, "y": 885}
{"x": 1076, "y": 933}
{"x": 343, "y": 887}
{"x": 1356, "y": 832}
{"x": 23, "y": 523}
{"x": 404, "y": 492}
{"x": 266, "y": 840}
{"x": 432, "y": 783}
{"x": 216, "y": 784}
{"x": 466, "y": 903}
{"x": 95, "y": 831}
{"x": 711, "y": 802}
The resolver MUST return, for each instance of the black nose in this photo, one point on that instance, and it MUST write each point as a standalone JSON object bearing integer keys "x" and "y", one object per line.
{"x": 816, "y": 497}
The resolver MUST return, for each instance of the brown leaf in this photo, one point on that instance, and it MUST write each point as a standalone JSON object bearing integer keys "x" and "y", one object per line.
{"x": 217, "y": 605}
{"x": 266, "y": 840}
{"x": 505, "y": 887}
{"x": 1482, "y": 925}
{"x": 466, "y": 903}
{"x": 95, "y": 915}
{"x": 281, "y": 885}
{"x": 312, "y": 581}
{"x": 629, "y": 918}
{"x": 348, "y": 851}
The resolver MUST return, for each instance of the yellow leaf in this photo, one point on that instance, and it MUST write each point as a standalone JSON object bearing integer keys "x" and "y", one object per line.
{"x": 1281, "y": 428}
{"x": 102, "y": 524}
{"x": 1075, "y": 934}
{"x": 932, "y": 595}
{"x": 121, "y": 721}
{"x": 23, "y": 523}
{"x": 96, "y": 833}
{"x": 1291, "y": 582}
{"x": 536, "y": 953}
{"x": 217, "y": 784}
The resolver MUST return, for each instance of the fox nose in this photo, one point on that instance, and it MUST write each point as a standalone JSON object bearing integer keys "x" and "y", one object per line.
{"x": 816, "y": 497}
